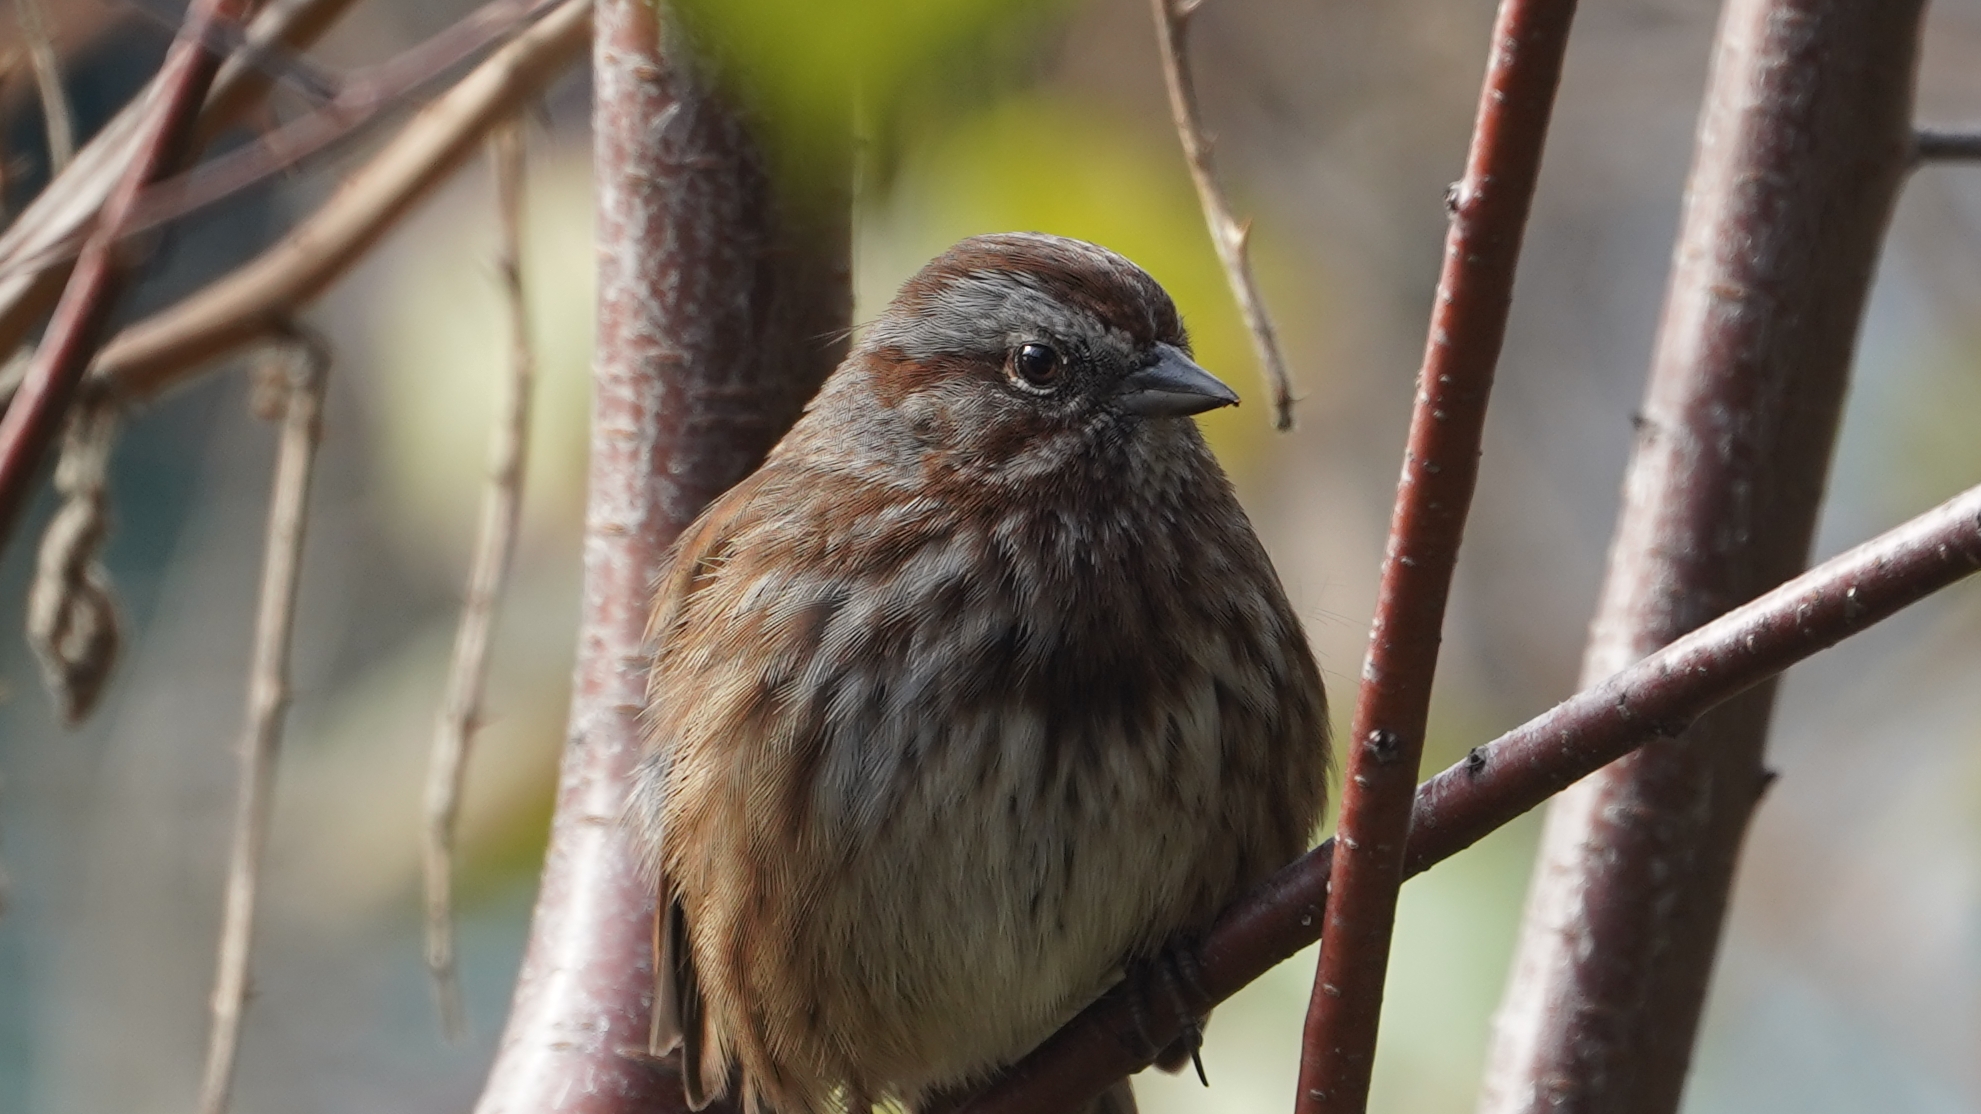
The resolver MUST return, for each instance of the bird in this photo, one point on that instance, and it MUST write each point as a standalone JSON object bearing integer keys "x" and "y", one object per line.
{"x": 979, "y": 692}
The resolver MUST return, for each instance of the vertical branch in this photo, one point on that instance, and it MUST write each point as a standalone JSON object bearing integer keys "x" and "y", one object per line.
{"x": 718, "y": 297}
{"x": 301, "y": 398}
{"x": 495, "y": 543}
{"x": 1229, "y": 235}
{"x": 73, "y": 335}
{"x": 1440, "y": 468}
{"x": 1803, "y": 141}
{"x": 48, "y": 82}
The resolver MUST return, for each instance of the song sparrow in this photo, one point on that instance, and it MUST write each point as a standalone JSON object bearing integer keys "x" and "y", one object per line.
{"x": 978, "y": 690}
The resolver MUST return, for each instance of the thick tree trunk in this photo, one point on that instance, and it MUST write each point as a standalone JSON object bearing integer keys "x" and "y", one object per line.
{"x": 719, "y": 301}
{"x": 1803, "y": 142}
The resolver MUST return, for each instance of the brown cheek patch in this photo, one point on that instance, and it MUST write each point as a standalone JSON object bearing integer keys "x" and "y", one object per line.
{"x": 895, "y": 375}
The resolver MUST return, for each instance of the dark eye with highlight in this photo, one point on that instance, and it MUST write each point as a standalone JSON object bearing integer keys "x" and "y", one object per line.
{"x": 1038, "y": 366}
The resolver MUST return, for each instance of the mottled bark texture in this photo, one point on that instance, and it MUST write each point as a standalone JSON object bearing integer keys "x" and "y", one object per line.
{"x": 1802, "y": 144}
{"x": 723, "y": 300}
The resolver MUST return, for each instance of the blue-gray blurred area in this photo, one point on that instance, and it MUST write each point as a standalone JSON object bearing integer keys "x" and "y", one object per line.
{"x": 1851, "y": 971}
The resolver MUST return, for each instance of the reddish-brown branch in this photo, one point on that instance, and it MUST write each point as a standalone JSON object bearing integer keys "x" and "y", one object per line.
{"x": 36, "y": 414}
{"x": 1804, "y": 138}
{"x": 1654, "y": 698}
{"x": 717, "y": 299}
{"x": 1440, "y": 467}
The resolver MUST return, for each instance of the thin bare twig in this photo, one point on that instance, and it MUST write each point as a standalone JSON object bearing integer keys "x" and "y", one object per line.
{"x": 73, "y": 200}
{"x": 307, "y": 363}
{"x": 1440, "y": 468}
{"x": 48, "y": 80}
{"x": 1946, "y": 145}
{"x": 360, "y": 100}
{"x": 1654, "y": 698}
{"x": 1229, "y": 235}
{"x": 74, "y": 333}
{"x": 495, "y": 544}
{"x": 253, "y": 302}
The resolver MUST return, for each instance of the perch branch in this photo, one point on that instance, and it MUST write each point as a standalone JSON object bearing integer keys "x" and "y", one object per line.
{"x": 495, "y": 543}
{"x": 35, "y": 415}
{"x": 1229, "y": 235}
{"x": 1654, "y": 698}
{"x": 268, "y": 700}
{"x": 1440, "y": 468}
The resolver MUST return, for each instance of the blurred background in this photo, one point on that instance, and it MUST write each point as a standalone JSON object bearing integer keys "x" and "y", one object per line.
{"x": 1850, "y": 978}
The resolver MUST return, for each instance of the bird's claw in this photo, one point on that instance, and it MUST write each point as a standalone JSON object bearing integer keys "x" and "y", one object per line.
{"x": 1171, "y": 980}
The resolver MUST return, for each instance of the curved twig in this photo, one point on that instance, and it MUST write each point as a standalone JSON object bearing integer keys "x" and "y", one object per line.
{"x": 1229, "y": 235}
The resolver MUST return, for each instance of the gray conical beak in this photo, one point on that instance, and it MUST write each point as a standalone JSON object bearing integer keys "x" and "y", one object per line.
{"x": 1173, "y": 386}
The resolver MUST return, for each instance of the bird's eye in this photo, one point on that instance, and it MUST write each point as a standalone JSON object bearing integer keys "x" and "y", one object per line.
{"x": 1037, "y": 365}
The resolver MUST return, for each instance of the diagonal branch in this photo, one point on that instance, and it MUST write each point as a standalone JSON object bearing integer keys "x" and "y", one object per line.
{"x": 300, "y": 392}
{"x": 1654, "y": 698}
{"x": 36, "y": 413}
{"x": 253, "y": 302}
{"x": 495, "y": 544}
{"x": 1440, "y": 468}
{"x": 1229, "y": 235}
{"x": 70, "y": 203}
{"x": 360, "y": 99}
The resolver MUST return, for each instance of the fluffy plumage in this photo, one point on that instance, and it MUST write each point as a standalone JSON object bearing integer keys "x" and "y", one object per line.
{"x": 980, "y": 687}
